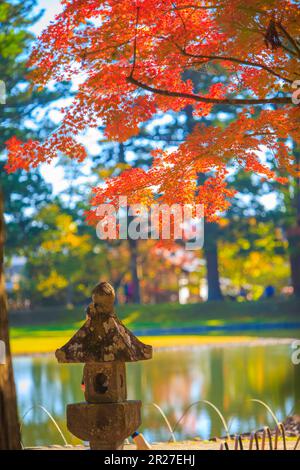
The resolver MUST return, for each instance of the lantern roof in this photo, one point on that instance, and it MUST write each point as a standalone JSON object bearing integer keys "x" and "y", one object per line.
{"x": 103, "y": 337}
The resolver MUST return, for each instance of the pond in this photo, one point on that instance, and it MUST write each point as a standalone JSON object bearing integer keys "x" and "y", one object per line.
{"x": 228, "y": 376}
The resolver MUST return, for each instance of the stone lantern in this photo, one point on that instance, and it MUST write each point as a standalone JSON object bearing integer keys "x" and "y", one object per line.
{"x": 104, "y": 345}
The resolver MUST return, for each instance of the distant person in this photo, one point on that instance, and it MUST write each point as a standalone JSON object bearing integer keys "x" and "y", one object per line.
{"x": 243, "y": 293}
{"x": 130, "y": 292}
{"x": 269, "y": 292}
{"x": 126, "y": 294}
{"x": 232, "y": 297}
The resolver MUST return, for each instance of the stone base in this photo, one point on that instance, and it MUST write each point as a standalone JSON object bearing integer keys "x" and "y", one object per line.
{"x": 104, "y": 425}
{"x": 109, "y": 446}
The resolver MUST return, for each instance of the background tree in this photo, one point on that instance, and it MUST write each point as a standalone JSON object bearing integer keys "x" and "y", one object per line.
{"x": 10, "y": 438}
{"x": 283, "y": 217}
{"x": 115, "y": 157}
{"x": 23, "y": 193}
{"x": 289, "y": 205}
{"x": 143, "y": 72}
{"x": 58, "y": 264}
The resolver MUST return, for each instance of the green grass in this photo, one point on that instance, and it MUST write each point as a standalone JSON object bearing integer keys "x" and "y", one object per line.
{"x": 168, "y": 315}
{"x": 43, "y": 330}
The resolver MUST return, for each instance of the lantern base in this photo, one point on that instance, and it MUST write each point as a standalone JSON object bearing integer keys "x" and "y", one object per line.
{"x": 104, "y": 425}
{"x": 94, "y": 445}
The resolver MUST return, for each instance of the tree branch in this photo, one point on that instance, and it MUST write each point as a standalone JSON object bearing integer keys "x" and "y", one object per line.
{"x": 289, "y": 37}
{"x": 86, "y": 54}
{"x": 135, "y": 41}
{"x": 196, "y": 7}
{"x": 235, "y": 60}
{"x": 205, "y": 99}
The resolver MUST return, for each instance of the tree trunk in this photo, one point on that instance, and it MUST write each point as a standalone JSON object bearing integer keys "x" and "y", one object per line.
{"x": 132, "y": 244}
{"x": 295, "y": 266}
{"x": 212, "y": 263}
{"x": 10, "y": 438}
{"x": 293, "y": 236}
{"x": 117, "y": 284}
{"x": 293, "y": 233}
{"x": 210, "y": 247}
{"x": 133, "y": 248}
{"x": 70, "y": 294}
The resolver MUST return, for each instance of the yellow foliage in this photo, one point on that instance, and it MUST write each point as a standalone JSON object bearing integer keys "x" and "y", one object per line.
{"x": 259, "y": 268}
{"x": 52, "y": 284}
{"x": 65, "y": 236}
{"x": 61, "y": 252}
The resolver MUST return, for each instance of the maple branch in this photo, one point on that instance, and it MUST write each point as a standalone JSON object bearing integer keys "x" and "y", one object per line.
{"x": 235, "y": 60}
{"x": 86, "y": 54}
{"x": 135, "y": 41}
{"x": 262, "y": 33}
{"x": 196, "y": 7}
{"x": 205, "y": 99}
{"x": 289, "y": 38}
{"x": 290, "y": 51}
{"x": 260, "y": 133}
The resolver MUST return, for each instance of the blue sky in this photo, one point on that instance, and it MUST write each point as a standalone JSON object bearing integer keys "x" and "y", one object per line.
{"x": 52, "y": 8}
{"x": 52, "y": 173}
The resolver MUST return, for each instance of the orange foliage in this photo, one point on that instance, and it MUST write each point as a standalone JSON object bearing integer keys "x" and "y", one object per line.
{"x": 132, "y": 55}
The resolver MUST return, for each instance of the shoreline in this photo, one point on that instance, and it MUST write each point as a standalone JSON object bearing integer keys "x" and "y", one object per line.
{"x": 159, "y": 343}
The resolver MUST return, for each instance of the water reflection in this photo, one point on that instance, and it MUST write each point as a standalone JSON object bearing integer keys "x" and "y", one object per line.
{"x": 227, "y": 376}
